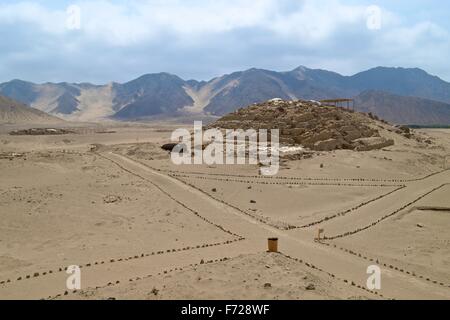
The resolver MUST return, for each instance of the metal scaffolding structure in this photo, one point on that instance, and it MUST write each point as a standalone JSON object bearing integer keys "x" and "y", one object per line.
{"x": 343, "y": 103}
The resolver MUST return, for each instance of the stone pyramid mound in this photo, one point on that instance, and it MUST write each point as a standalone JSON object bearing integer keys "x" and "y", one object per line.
{"x": 309, "y": 124}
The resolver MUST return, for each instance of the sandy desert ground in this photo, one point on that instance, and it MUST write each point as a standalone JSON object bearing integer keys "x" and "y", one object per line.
{"x": 108, "y": 199}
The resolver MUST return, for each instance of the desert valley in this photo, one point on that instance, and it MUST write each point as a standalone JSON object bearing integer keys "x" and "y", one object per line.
{"x": 106, "y": 197}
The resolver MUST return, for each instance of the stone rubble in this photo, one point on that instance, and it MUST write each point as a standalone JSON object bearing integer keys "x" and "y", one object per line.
{"x": 308, "y": 124}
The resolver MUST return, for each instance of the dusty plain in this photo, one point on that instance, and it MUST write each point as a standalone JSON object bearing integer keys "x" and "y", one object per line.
{"x": 108, "y": 199}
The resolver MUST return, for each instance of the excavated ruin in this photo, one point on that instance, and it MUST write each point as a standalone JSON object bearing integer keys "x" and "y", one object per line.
{"x": 309, "y": 124}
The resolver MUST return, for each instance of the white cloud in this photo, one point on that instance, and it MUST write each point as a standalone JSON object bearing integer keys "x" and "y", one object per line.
{"x": 135, "y": 21}
{"x": 145, "y": 20}
{"x": 216, "y": 35}
{"x": 49, "y": 21}
{"x": 413, "y": 36}
{"x": 317, "y": 21}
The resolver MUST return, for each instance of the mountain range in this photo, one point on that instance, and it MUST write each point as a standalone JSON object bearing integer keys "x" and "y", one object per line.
{"x": 399, "y": 95}
{"x": 402, "y": 109}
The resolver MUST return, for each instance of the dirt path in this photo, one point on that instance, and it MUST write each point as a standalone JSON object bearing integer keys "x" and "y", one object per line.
{"x": 250, "y": 237}
{"x": 109, "y": 273}
{"x": 386, "y": 207}
{"x": 298, "y": 243}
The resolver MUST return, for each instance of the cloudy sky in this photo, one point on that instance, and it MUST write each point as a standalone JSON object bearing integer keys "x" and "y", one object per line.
{"x": 118, "y": 40}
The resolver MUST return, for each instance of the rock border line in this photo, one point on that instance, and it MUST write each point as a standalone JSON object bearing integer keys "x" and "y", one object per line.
{"x": 349, "y": 233}
{"x": 117, "y": 260}
{"x": 172, "y": 198}
{"x": 266, "y": 220}
{"x": 203, "y": 262}
{"x": 115, "y": 283}
{"x": 254, "y": 176}
{"x": 346, "y": 281}
{"x": 386, "y": 265}
{"x": 340, "y": 184}
{"x": 301, "y": 178}
{"x": 275, "y": 224}
{"x": 344, "y": 213}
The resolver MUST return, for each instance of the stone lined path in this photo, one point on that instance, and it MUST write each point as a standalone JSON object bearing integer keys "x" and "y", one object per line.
{"x": 297, "y": 243}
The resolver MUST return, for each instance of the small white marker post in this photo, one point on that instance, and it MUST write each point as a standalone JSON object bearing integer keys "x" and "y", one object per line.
{"x": 446, "y": 162}
{"x": 320, "y": 231}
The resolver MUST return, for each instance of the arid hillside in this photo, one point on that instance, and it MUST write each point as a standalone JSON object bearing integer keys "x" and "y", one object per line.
{"x": 13, "y": 112}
